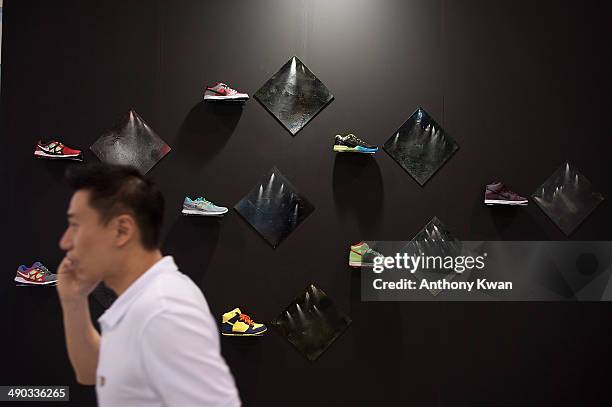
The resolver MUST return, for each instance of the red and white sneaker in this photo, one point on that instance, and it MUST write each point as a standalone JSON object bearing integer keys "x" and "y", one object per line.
{"x": 56, "y": 150}
{"x": 35, "y": 275}
{"x": 222, "y": 92}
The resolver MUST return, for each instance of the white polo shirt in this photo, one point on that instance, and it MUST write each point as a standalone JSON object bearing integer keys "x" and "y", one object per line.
{"x": 160, "y": 346}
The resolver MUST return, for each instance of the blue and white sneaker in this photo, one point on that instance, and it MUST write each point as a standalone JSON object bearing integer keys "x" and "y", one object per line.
{"x": 202, "y": 207}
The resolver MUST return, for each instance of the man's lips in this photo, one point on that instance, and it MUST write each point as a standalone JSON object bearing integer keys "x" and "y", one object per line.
{"x": 72, "y": 262}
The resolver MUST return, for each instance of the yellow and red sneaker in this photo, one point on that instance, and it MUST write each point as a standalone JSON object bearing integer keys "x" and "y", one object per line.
{"x": 235, "y": 323}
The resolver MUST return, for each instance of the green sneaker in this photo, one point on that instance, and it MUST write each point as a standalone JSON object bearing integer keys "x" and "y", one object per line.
{"x": 361, "y": 255}
{"x": 352, "y": 144}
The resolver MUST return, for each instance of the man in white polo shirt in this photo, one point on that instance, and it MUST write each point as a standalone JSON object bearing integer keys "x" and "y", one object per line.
{"x": 159, "y": 344}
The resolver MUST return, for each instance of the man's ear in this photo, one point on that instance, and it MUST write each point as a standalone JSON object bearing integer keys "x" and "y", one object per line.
{"x": 126, "y": 229}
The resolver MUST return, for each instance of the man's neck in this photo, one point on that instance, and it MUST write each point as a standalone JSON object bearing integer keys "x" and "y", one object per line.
{"x": 135, "y": 266}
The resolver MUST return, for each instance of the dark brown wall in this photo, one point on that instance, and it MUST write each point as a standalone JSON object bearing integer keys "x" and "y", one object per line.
{"x": 522, "y": 86}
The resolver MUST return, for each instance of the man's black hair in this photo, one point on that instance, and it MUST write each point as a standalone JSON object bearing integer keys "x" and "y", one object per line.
{"x": 119, "y": 189}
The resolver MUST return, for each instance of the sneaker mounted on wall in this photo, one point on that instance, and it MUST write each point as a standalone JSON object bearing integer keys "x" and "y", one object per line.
{"x": 55, "y": 150}
{"x": 498, "y": 194}
{"x": 35, "y": 275}
{"x": 361, "y": 255}
{"x": 352, "y": 144}
{"x": 235, "y": 323}
{"x": 222, "y": 92}
{"x": 202, "y": 207}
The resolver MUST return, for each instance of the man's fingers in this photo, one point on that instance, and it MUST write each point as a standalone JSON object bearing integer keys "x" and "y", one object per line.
{"x": 67, "y": 266}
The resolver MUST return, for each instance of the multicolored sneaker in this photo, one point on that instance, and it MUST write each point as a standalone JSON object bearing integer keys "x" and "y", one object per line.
{"x": 351, "y": 144}
{"x": 361, "y": 255}
{"x": 498, "y": 194}
{"x": 35, "y": 275}
{"x": 202, "y": 207}
{"x": 56, "y": 150}
{"x": 222, "y": 92}
{"x": 235, "y": 323}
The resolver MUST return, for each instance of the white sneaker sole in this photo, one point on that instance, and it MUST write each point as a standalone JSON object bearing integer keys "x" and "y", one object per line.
{"x": 345, "y": 149}
{"x": 360, "y": 264}
{"x": 21, "y": 280}
{"x": 202, "y": 213}
{"x": 40, "y": 153}
{"x": 239, "y": 96}
{"x": 491, "y": 202}
{"x": 239, "y": 334}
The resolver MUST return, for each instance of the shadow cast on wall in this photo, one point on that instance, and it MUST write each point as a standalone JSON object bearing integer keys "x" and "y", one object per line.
{"x": 369, "y": 320}
{"x": 192, "y": 240}
{"x": 358, "y": 191}
{"x": 504, "y": 222}
{"x": 205, "y": 130}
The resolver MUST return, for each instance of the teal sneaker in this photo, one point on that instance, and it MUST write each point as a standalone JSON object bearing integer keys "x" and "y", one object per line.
{"x": 202, "y": 207}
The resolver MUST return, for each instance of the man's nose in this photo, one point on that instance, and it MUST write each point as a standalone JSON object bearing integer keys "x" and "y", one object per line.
{"x": 65, "y": 242}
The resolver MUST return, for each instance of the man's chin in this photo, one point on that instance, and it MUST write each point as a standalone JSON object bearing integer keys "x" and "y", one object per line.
{"x": 87, "y": 277}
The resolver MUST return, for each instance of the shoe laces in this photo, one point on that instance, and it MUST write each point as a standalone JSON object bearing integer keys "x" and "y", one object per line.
{"x": 355, "y": 138}
{"x": 247, "y": 319}
{"x": 505, "y": 190}
{"x": 226, "y": 86}
{"x": 373, "y": 253}
{"x": 55, "y": 144}
{"x": 44, "y": 270}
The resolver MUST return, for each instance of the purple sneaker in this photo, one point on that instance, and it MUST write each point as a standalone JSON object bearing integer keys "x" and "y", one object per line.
{"x": 498, "y": 194}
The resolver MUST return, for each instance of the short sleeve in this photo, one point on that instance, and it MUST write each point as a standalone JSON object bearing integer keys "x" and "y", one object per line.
{"x": 181, "y": 357}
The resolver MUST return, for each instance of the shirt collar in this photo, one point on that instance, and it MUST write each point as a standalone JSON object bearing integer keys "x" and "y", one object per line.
{"x": 121, "y": 305}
